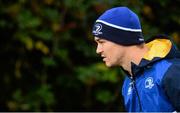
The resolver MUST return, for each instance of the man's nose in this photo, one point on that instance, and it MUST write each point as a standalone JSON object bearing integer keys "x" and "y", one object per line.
{"x": 98, "y": 49}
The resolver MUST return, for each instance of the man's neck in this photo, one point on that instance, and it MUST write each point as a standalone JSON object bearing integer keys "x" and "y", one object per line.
{"x": 134, "y": 56}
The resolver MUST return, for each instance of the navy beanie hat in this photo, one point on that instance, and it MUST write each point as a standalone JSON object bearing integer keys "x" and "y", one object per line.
{"x": 119, "y": 25}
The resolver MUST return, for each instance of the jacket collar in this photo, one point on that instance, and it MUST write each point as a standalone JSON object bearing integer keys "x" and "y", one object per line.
{"x": 160, "y": 47}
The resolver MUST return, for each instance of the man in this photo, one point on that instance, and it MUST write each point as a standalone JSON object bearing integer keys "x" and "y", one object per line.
{"x": 153, "y": 68}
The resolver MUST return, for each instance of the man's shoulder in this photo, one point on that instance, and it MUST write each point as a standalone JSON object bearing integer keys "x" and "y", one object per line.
{"x": 172, "y": 75}
{"x": 175, "y": 61}
{"x": 174, "y": 69}
{"x": 171, "y": 83}
{"x": 170, "y": 63}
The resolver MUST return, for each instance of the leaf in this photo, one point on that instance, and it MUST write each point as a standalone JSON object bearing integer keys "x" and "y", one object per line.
{"x": 45, "y": 94}
{"x": 51, "y": 14}
{"x": 39, "y": 45}
{"x": 96, "y": 73}
{"x": 104, "y": 96}
{"x": 48, "y": 61}
{"x": 3, "y": 23}
{"x": 26, "y": 40}
{"x": 63, "y": 55}
{"x": 45, "y": 35}
{"x": 27, "y": 20}
{"x": 17, "y": 95}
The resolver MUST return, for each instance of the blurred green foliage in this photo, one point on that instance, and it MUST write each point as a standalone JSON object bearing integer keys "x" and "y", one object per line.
{"x": 48, "y": 59}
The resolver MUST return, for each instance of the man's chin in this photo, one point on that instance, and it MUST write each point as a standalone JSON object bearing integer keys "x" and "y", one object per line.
{"x": 108, "y": 65}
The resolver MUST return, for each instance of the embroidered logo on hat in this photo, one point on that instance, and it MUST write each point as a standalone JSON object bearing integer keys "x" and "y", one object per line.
{"x": 98, "y": 28}
{"x": 141, "y": 39}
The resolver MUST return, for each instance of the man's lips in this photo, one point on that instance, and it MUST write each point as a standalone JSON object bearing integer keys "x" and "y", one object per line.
{"x": 104, "y": 58}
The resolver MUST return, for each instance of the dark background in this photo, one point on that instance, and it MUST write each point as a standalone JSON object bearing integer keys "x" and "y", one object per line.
{"x": 47, "y": 53}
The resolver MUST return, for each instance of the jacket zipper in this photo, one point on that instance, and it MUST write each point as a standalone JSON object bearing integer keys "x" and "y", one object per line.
{"x": 134, "y": 85}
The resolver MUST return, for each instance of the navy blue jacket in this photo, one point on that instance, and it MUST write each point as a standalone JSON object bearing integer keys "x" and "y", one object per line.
{"x": 155, "y": 84}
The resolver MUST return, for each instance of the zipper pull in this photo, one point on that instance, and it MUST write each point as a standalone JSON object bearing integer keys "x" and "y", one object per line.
{"x": 131, "y": 78}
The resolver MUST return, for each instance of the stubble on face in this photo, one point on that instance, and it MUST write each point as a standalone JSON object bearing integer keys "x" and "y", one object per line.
{"x": 115, "y": 55}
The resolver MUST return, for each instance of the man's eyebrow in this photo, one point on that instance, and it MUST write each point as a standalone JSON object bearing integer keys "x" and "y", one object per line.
{"x": 97, "y": 39}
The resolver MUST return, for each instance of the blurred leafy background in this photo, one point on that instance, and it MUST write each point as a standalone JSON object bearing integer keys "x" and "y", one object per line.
{"x": 47, "y": 53}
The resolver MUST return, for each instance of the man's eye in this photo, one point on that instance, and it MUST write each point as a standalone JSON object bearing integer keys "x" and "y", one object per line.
{"x": 101, "y": 42}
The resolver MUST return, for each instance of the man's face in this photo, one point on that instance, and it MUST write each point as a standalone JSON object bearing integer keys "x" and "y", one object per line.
{"x": 113, "y": 54}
